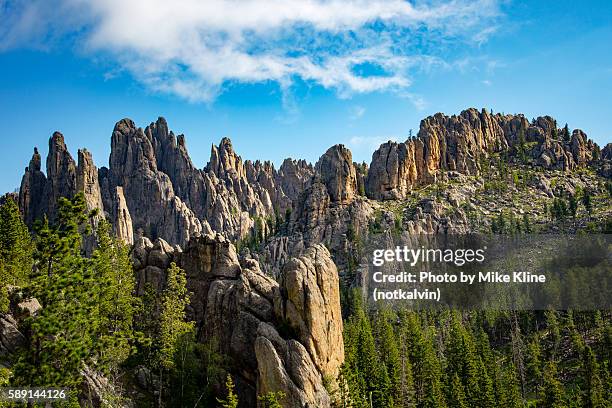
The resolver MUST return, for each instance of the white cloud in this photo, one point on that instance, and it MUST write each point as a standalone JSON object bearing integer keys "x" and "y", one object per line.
{"x": 195, "y": 48}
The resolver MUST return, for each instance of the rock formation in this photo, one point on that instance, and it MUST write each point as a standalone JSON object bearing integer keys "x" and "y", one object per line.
{"x": 31, "y": 193}
{"x": 460, "y": 142}
{"x": 152, "y": 189}
{"x": 265, "y": 357}
{"x": 336, "y": 171}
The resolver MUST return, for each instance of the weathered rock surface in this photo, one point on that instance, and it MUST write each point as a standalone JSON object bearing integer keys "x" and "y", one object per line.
{"x": 336, "y": 171}
{"x": 31, "y": 192}
{"x": 39, "y": 194}
{"x": 10, "y": 336}
{"x": 152, "y": 188}
{"x": 460, "y": 142}
{"x": 264, "y": 357}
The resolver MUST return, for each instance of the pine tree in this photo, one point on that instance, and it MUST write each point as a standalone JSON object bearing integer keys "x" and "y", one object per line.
{"x": 231, "y": 400}
{"x": 586, "y": 201}
{"x": 457, "y": 395}
{"x": 594, "y": 388}
{"x": 116, "y": 302}
{"x": 62, "y": 334}
{"x": 553, "y": 391}
{"x": 389, "y": 353}
{"x": 553, "y": 326}
{"x": 534, "y": 364}
{"x": 566, "y": 133}
{"x": 527, "y": 224}
{"x": 15, "y": 244}
{"x": 173, "y": 329}
{"x": 15, "y": 250}
{"x": 572, "y": 205}
{"x": 511, "y": 395}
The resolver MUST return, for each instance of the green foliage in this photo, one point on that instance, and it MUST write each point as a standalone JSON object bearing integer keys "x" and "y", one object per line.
{"x": 587, "y": 201}
{"x": 15, "y": 250}
{"x": 271, "y": 399}
{"x": 231, "y": 400}
{"x": 572, "y": 205}
{"x": 594, "y": 394}
{"x": 608, "y": 186}
{"x": 553, "y": 391}
{"x": 565, "y": 133}
{"x": 63, "y": 334}
{"x": 116, "y": 302}
{"x": 87, "y": 303}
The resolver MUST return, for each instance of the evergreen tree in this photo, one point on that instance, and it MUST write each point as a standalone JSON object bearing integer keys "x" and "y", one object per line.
{"x": 231, "y": 400}
{"x": 15, "y": 245}
{"x": 389, "y": 353}
{"x": 555, "y": 332}
{"x": 173, "y": 329}
{"x": 527, "y": 224}
{"x": 63, "y": 333}
{"x": 534, "y": 364}
{"x": 457, "y": 395}
{"x": 572, "y": 205}
{"x": 586, "y": 201}
{"x": 594, "y": 387}
{"x": 116, "y": 301}
{"x": 566, "y": 133}
{"x": 510, "y": 395}
{"x": 553, "y": 391}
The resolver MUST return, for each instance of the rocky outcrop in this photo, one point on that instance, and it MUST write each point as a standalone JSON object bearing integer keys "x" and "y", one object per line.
{"x": 310, "y": 304}
{"x": 87, "y": 181}
{"x": 152, "y": 188}
{"x": 606, "y": 152}
{"x": 460, "y": 142}
{"x": 121, "y": 218}
{"x": 39, "y": 194}
{"x": 395, "y": 170}
{"x": 61, "y": 174}
{"x": 283, "y": 337}
{"x": 31, "y": 192}
{"x": 336, "y": 171}
{"x": 10, "y": 336}
{"x": 154, "y": 208}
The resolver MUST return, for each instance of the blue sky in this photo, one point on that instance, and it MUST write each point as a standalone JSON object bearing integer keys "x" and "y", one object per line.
{"x": 291, "y": 78}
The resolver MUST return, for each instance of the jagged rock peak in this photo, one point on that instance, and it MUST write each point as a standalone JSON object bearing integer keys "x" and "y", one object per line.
{"x": 335, "y": 169}
{"x": 125, "y": 125}
{"x": 459, "y": 142}
{"x": 606, "y": 152}
{"x": 35, "y": 161}
{"x": 87, "y": 180}
{"x": 224, "y": 160}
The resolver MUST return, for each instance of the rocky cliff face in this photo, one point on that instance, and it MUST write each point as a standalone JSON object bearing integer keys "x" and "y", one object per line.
{"x": 336, "y": 171}
{"x": 244, "y": 310}
{"x": 460, "y": 143}
{"x": 152, "y": 189}
{"x": 39, "y": 194}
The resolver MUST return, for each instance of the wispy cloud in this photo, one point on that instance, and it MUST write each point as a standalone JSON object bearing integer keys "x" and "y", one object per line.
{"x": 195, "y": 49}
{"x": 364, "y": 146}
{"x": 357, "y": 112}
